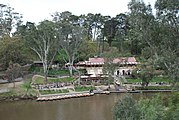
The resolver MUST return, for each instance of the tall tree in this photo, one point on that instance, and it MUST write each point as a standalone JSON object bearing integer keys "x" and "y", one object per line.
{"x": 70, "y": 41}
{"x": 13, "y": 72}
{"x": 126, "y": 109}
{"x": 9, "y": 19}
{"x": 13, "y": 49}
{"x": 140, "y": 17}
{"x": 42, "y": 39}
{"x": 122, "y": 29}
{"x": 71, "y": 34}
{"x": 110, "y": 29}
{"x": 163, "y": 45}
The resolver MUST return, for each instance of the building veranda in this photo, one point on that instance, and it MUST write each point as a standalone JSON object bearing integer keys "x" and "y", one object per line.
{"x": 94, "y": 68}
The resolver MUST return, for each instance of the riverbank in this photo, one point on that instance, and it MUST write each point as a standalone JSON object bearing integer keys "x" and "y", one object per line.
{"x": 62, "y": 96}
{"x": 16, "y": 98}
{"x": 26, "y": 91}
{"x": 51, "y": 97}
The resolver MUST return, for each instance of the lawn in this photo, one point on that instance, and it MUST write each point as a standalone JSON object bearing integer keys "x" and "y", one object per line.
{"x": 155, "y": 88}
{"x": 44, "y": 92}
{"x": 84, "y": 88}
{"x": 58, "y": 72}
{"x": 40, "y": 79}
{"x": 155, "y": 79}
{"x": 129, "y": 80}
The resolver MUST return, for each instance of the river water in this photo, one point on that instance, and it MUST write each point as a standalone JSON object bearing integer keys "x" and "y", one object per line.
{"x": 97, "y": 107}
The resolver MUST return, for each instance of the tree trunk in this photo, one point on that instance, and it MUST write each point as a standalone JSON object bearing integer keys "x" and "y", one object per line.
{"x": 110, "y": 41}
{"x": 14, "y": 85}
{"x": 71, "y": 70}
{"x": 46, "y": 75}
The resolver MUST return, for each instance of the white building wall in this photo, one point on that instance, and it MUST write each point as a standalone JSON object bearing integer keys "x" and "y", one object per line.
{"x": 119, "y": 71}
{"x": 94, "y": 70}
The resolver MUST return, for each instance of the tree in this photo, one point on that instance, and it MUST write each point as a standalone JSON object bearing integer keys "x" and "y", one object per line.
{"x": 14, "y": 71}
{"x": 168, "y": 55}
{"x": 163, "y": 31}
{"x": 126, "y": 109}
{"x": 87, "y": 49}
{"x": 122, "y": 29}
{"x": 146, "y": 74}
{"x": 143, "y": 109}
{"x": 8, "y": 19}
{"x": 109, "y": 66}
{"x": 140, "y": 19}
{"x": 173, "y": 107}
{"x": 151, "y": 109}
{"x": 70, "y": 34}
{"x": 110, "y": 29}
{"x": 70, "y": 42}
{"x": 42, "y": 39}
{"x": 13, "y": 49}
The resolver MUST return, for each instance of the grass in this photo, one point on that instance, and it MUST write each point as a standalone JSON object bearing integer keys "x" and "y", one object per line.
{"x": 58, "y": 72}
{"x": 155, "y": 88}
{"x": 83, "y": 88}
{"x": 40, "y": 79}
{"x": 45, "y": 92}
{"x": 155, "y": 79}
{"x": 133, "y": 80}
{"x": 160, "y": 79}
{"x": 21, "y": 90}
{"x": 8, "y": 94}
{"x": 52, "y": 72}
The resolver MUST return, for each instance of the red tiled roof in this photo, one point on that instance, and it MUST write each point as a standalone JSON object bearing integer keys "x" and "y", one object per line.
{"x": 125, "y": 60}
{"x": 96, "y": 60}
{"x": 100, "y": 61}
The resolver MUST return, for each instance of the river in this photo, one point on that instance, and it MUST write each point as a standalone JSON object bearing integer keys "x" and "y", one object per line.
{"x": 97, "y": 107}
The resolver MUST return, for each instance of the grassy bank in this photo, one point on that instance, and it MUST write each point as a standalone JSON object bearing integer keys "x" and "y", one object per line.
{"x": 155, "y": 88}
{"x": 44, "y": 92}
{"x": 21, "y": 90}
{"x": 84, "y": 88}
{"x": 40, "y": 79}
{"x": 155, "y": 79}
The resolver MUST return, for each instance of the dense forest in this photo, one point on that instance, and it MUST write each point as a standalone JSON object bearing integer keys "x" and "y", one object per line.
{"x": 153, "y": 38}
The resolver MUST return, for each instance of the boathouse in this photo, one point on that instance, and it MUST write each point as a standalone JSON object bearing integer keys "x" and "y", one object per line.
{"x": 94, "y": 67}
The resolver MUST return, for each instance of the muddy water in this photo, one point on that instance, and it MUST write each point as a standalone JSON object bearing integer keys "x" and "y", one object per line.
{"x": 97, "y": 107}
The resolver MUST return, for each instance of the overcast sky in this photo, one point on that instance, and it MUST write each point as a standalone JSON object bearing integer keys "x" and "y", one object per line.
{"x": 38, "y": 10}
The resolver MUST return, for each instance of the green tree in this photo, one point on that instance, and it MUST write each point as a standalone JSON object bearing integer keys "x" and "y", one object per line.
{"x": 126, "y": 109}
{"x": 151, "y": 109}
{"x": 140, "y": 19}
{"x": 109, "y": 66}
{"x": 42, "y": 39}
{"x": 70, "y": 35}
{"x": 168, "y": 55}
{"x": 70, "y": 43}
{"x": 122, "y": 29}
{"x": 110, "y": 29}
{"x": 173, "y": 107}
{"x": 146, "y": 74}
{"x": 87, "y": 49}
{"x": 14, "y": 71}
{"x": 13, "y": 49}
{"x": 9, "y": 19}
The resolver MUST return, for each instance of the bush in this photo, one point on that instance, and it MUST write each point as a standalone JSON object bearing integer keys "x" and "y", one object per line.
{"x": 126, "y": 109}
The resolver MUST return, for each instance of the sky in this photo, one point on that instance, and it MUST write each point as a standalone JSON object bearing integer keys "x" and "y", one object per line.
{"x": 39, "y": 10}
